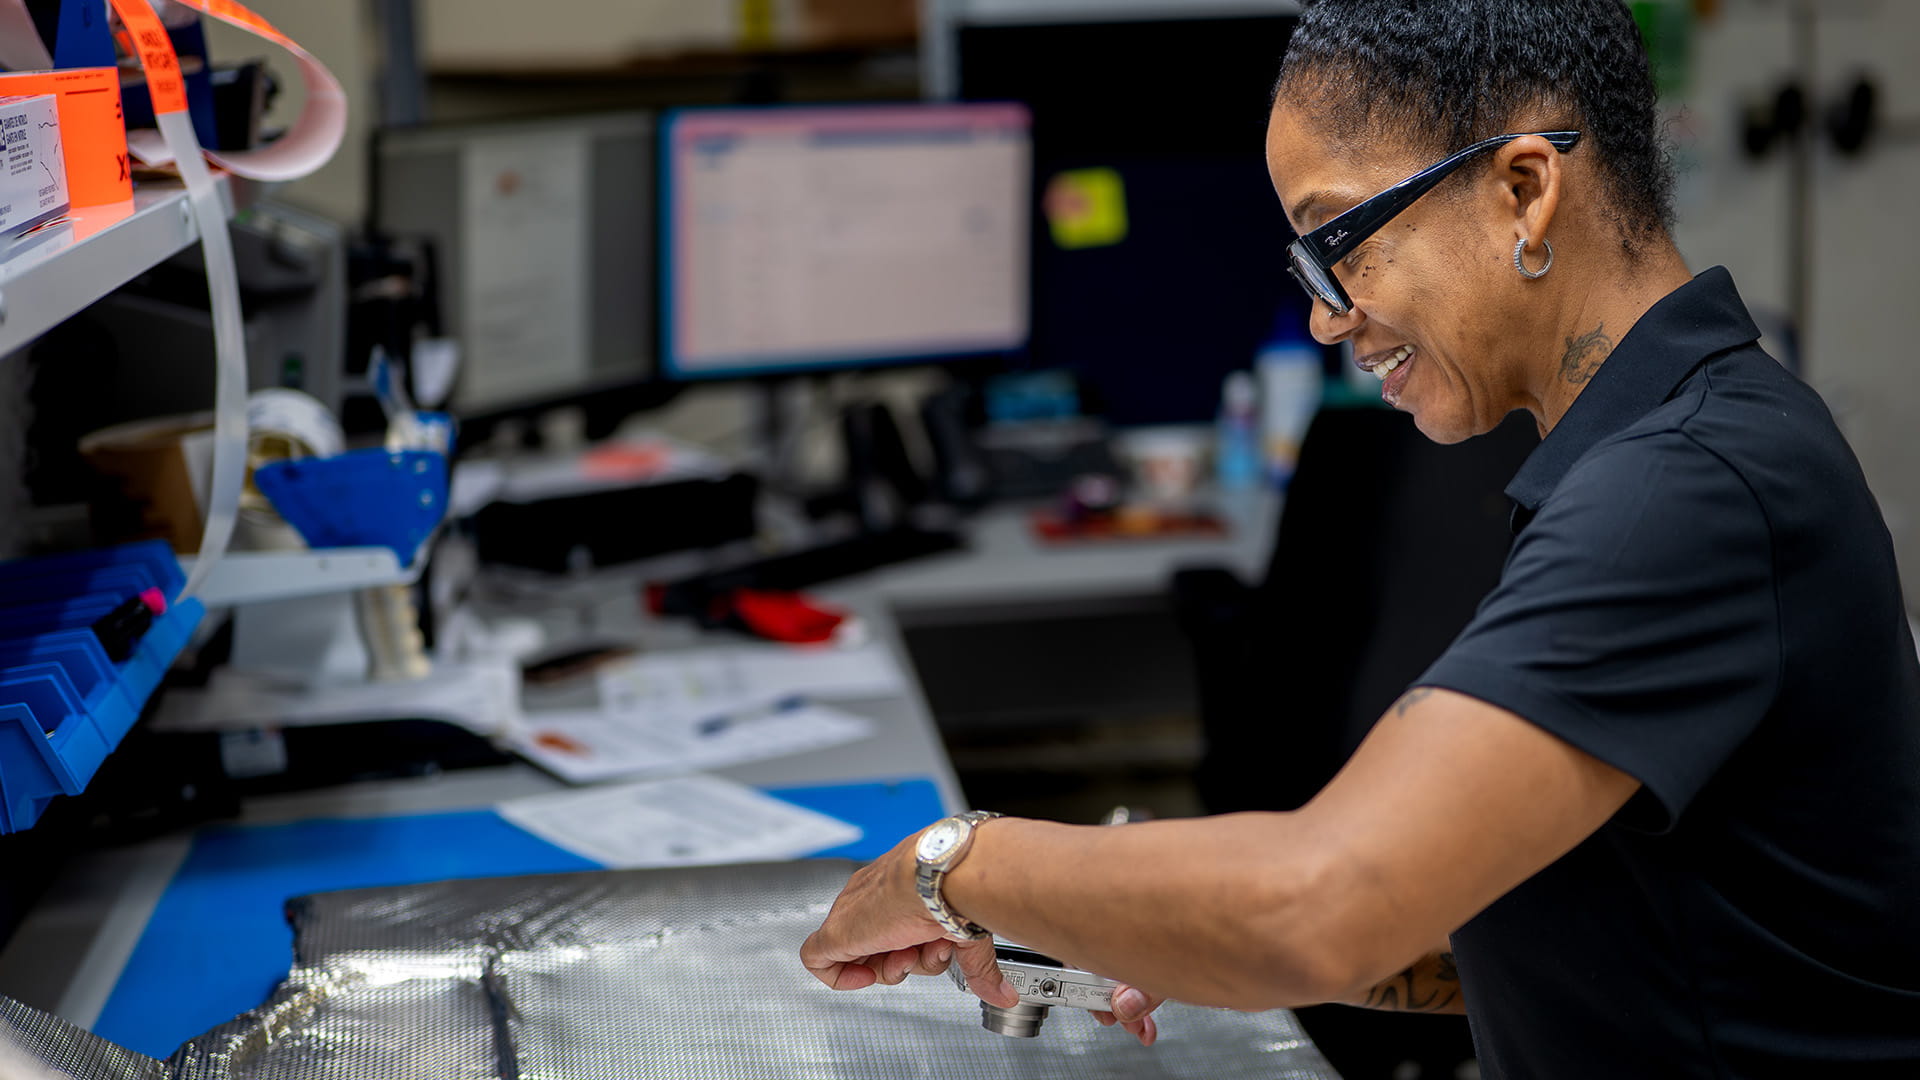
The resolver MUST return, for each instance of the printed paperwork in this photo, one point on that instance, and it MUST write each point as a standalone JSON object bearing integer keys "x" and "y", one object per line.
{"x": 716, "y": 680}
{"x": 707, "y": 709}
{"x": 684, "y": 821}
{"x": 626, "y": 462}
{"x": 481, "y": 695}
{"x": 589, "y": 745}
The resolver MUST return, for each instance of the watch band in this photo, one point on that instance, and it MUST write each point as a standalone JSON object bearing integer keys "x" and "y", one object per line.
{"x": 930, "y": 874}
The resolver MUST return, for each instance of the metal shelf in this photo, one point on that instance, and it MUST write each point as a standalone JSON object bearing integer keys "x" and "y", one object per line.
{"x": 49, "y": 276}
{"x": 251, "y": 577}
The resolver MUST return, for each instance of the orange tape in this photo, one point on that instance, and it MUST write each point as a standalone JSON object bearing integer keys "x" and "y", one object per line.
{"x": 150, "y": 42}
{"x": 155, "y": 47}
{"x": 93, "y": 132}
{"x": 305, "y": 146}
{"x": 239, "y": 15}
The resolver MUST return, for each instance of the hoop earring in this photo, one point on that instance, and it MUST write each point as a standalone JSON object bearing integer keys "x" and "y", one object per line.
{"x": 1520, "y": 249}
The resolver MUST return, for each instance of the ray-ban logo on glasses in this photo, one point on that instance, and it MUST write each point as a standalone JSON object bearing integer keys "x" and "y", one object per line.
{"x": 1334, "y": 240}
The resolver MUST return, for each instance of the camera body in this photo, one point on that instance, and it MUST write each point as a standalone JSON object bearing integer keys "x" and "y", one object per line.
{"x": 1042, "y": 982}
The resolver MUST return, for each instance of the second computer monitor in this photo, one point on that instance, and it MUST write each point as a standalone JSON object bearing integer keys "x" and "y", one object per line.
{"x": 809, "y": 238}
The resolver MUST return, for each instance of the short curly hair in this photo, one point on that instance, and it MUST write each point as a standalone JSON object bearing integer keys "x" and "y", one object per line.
{"x": 1441, "y": 74}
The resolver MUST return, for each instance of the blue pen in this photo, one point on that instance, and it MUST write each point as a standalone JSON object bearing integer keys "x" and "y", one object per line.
{"x": 716, "y": 725}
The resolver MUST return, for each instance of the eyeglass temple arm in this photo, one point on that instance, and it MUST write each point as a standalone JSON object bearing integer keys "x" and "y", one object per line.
{"x": 1327, "y": 242}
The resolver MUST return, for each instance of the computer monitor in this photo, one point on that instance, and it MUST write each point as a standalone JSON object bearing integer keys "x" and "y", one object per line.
{"x": 543, "y": 231}
{"x": 801, "y": 239}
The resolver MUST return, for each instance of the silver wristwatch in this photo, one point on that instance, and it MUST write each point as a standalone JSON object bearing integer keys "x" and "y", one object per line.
{"x": 940, "y": 849}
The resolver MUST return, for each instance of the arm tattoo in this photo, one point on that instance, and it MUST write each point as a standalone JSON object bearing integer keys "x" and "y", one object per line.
{"x": 1430, "y": 986}
{"x": 1584, "y": 355}
{"x": 1411, "y": 698}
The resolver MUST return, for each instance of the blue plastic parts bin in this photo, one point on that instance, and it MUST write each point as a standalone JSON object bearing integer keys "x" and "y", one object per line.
{"x": 64, "y": 705}
{"x": 385, "y": 498}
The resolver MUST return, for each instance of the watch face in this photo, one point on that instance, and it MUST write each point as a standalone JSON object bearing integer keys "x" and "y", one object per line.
{"x": 939, "y": 840}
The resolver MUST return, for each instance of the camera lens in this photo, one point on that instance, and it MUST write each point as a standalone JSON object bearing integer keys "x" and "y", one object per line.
{"x": 1021, "y": 1022}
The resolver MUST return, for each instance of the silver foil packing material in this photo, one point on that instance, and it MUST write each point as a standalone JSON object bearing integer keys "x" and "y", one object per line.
{"x": 69, "y": 1051}
{"x": 676, "y": 974}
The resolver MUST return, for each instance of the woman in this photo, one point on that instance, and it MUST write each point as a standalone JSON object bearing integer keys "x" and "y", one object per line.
{"x": 1656, "y": 812}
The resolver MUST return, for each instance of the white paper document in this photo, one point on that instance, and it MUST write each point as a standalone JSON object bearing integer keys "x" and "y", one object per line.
{"x": 585, "y": 746}
{"x": 711, "y": 680}
{"x": 684, "y": 821}
{"x": 621, "y": 463}
{"x": 524, "y": 291}
{"x": 481, "y": 695}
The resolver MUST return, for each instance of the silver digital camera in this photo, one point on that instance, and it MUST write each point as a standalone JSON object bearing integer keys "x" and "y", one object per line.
{"x": 1042, "y": 982}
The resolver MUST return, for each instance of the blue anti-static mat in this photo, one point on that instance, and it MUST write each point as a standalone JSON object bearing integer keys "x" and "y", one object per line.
{"x": 218, "y": 942}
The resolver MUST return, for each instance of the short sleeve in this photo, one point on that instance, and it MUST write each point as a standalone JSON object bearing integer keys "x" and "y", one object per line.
{"x": 1636, "y": 619}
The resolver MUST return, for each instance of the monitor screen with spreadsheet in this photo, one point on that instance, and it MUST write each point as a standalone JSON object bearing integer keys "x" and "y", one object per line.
{"x": 807, "y": 238}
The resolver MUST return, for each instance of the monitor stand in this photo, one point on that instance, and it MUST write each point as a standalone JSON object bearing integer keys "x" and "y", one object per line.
{"x": 879, "y": 485}
{"x": 880, "y": 488}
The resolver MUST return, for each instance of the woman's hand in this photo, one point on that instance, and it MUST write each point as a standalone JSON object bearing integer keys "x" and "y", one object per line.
{"x": 1133, "y": 1010}
{"x": 880, "y": 932}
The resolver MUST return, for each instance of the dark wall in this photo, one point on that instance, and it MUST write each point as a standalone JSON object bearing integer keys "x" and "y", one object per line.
{"x": 1179, "y": 109}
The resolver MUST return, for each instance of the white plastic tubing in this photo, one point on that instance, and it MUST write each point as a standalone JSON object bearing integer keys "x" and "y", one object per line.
{"x": 312, "y": 140}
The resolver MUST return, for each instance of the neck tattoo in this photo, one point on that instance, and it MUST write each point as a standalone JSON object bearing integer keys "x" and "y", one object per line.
{"x": 1584, "y": 355}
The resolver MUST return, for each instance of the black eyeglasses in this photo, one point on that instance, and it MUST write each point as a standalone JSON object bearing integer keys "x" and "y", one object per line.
{"x": 1312, "y": 257}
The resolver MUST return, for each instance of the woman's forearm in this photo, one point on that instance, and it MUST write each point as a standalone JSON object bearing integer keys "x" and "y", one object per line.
{"x": 1448, "y": 804}
{"x": 1219, "y": 911}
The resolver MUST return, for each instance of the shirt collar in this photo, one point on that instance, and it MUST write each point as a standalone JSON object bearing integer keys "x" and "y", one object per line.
{"x": 1698, "y": 320}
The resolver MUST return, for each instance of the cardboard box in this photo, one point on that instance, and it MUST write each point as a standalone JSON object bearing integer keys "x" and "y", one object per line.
{"x": 33, "y": 172}
{"x": 155, "y": 478}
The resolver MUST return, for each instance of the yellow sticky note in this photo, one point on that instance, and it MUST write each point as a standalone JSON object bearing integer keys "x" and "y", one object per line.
{"x": 1086, "y": 208}
{"x": 759, "y": 24}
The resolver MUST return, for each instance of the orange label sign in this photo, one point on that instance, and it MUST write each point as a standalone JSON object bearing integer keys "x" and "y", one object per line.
{"x": 149, "y": 40}
{"x": 93, "y": 133}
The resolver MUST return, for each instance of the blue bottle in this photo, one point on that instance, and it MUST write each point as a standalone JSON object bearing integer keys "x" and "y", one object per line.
{"x": 1290, "y": 368}
{"x": 1236, "y": 457}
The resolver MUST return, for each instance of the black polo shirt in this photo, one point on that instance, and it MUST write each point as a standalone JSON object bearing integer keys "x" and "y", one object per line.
{"x": 1702, "y": 594}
